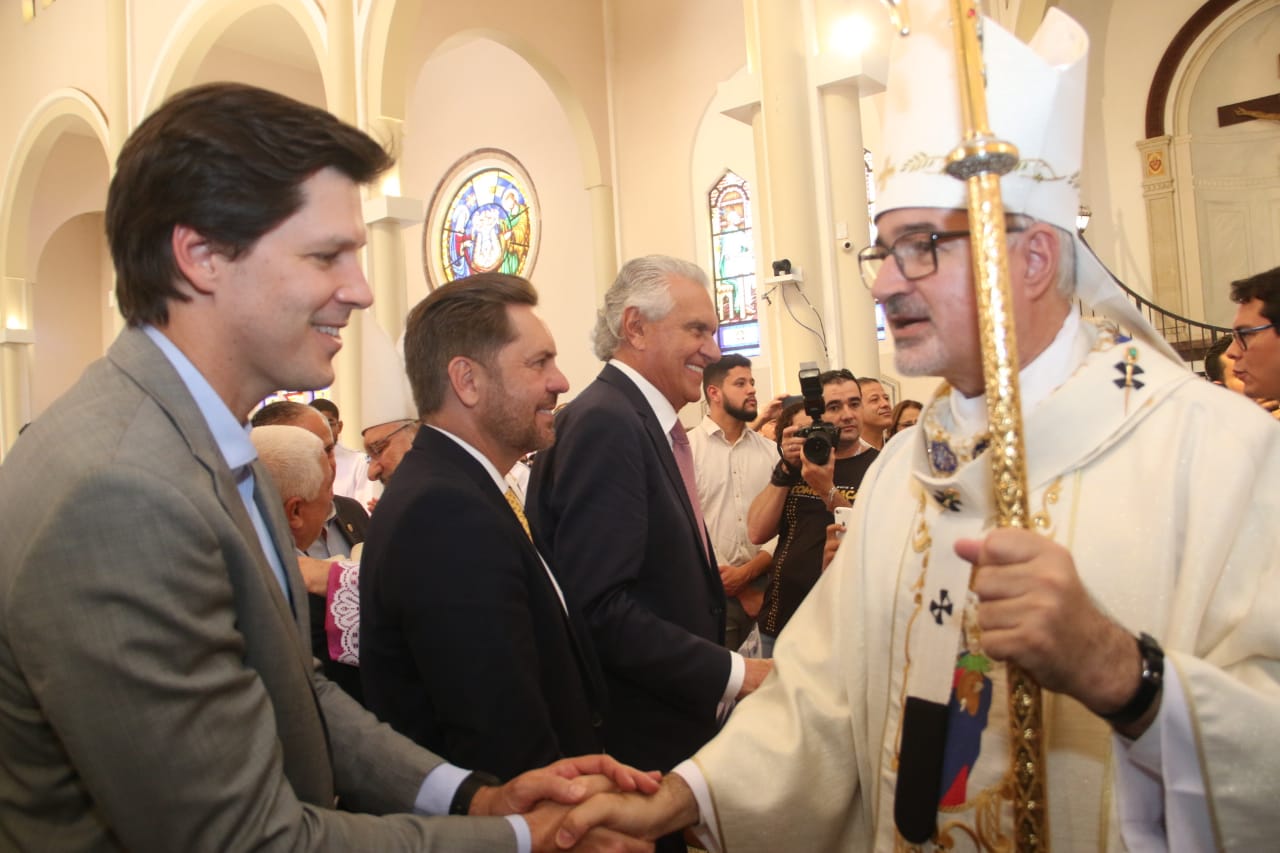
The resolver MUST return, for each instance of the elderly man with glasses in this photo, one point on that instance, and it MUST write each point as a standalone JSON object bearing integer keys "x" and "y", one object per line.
{"x": 386, "y": 444}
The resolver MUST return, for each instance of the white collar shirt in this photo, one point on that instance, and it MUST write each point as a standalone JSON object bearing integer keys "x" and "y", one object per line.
{"x": 729, "y": 477}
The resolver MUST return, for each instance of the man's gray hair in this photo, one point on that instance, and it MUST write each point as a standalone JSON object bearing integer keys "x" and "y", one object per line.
{"x": 294, "y": 457}
{"x": 642, "y": 283}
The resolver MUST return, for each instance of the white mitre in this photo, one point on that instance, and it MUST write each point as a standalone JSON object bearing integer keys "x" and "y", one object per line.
{"x": 384, "y": 394}
{"x": 1035, "y": 100}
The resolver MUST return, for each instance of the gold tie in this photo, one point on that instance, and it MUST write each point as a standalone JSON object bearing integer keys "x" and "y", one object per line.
{"x": 510, "y": 495}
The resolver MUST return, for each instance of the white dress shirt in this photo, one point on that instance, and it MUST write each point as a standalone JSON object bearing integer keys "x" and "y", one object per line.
{"x": 729, "y": 478}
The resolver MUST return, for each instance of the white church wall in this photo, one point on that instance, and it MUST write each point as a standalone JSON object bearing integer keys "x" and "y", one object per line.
{"x": 223, "y": 64}
{"x": 62, "y": 47}
{"x": 69, "y": 297}
{"x": 667, "y": 58}
{"x": 482, "y": 95}
{"x": 1127, "y": 40}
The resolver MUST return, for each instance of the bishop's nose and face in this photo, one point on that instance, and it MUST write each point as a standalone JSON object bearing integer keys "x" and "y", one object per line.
{"x": 933, "y": 318}
{"x": 385, "y": 445}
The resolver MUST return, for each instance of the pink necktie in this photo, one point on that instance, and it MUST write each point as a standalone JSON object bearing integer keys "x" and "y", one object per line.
{"x": 684, "y": 460}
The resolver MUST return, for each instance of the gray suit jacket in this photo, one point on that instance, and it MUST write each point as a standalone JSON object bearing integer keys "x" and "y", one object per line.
{"x": 157, "y": 691}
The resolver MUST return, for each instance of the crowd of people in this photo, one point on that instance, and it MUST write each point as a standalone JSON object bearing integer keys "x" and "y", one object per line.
{"x": 208, "y": 641}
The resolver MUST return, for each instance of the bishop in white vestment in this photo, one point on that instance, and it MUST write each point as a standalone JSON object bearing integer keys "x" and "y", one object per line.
{"x": 1145, "y": 600}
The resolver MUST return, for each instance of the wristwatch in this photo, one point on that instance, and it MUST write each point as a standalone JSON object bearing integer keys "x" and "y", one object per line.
{"x": 466, "y": 792}
{"x": 1148, "y": 688}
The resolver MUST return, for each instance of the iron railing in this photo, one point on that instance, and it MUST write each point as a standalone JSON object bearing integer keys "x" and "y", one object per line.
{"x": 1191, "y": 339}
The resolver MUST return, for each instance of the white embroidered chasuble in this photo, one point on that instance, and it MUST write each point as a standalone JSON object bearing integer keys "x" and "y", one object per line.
{"x": 1168, "y": 503}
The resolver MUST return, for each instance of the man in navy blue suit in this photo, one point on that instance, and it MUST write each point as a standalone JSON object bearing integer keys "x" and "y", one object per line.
{"x": 625, "y": 533}
{"x": 468, "y": 645}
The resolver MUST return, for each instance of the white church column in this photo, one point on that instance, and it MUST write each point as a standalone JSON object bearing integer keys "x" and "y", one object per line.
{"x": 387, "y": 216}
{"x": 785, "y": 177}
{"x": 604, "y": 244}
{"x": 848, "y": 189}
{"x": 340, "y": 80}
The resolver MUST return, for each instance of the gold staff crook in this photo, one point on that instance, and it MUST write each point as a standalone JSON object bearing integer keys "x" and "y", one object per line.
{"x": 979, "y": 161}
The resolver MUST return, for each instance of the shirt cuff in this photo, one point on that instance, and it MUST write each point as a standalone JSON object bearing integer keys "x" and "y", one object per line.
{"x": 1159, "y": 780}
{"x": 524, "y": 838}
{"x": 706, "y": 830}
{"x": 737, "y": 674}
{"x": 438, "y": 789}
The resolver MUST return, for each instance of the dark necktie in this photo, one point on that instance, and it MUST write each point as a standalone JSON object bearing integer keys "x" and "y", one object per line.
{"x": 684, "y": 461}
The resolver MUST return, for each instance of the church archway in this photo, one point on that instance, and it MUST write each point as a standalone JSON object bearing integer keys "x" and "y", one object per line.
{"x": 59, "y": 170}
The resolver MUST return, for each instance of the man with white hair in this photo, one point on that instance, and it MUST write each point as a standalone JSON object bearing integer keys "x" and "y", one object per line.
{"x": 297, "y": 463}
{"x": 616, "y": 505}
{"x": 1142, "y": 601}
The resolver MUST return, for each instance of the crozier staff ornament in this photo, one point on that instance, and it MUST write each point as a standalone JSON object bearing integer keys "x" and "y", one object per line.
{"x": 980, "y": 160}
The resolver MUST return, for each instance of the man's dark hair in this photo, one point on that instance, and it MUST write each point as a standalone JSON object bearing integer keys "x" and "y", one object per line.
{"x": 841, "y": 375}
{"x": 862, "y": 379}
{"x": 1264, "y": 286}
{"x": 325, "y": 406}
{"x": 285, "y": 412}
{"x": 1214, "y": 369}
{"x": 467, "y": 317}
{"x": 714, "y": 374}
{"x": 228, "y": 161}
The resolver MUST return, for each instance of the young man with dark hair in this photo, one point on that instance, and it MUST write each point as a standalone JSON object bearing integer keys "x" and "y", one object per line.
{"x": 732, "y": 463}
{"x": 1256, "y": 334}
{"x": 157, "y": 690}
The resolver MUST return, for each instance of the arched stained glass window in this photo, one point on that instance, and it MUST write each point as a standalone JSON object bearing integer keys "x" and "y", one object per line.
{"x": 484, "y": 218}
{"x": 733, "y": 265}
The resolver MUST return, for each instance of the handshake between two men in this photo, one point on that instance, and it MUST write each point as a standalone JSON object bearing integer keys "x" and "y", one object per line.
{"x": 592, "y": 803}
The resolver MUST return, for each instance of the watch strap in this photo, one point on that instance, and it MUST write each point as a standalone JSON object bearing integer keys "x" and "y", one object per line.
{"x": 1149, "y": 685}
{"x": 466, "y": 792}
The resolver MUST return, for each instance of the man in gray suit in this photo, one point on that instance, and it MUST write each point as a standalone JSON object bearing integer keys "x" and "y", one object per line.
{"x": 156, "y": 686}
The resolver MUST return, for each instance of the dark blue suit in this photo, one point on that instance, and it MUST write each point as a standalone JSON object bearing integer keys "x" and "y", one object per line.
{"x": 464, "y": 645}
{"x": 608, "y": 501}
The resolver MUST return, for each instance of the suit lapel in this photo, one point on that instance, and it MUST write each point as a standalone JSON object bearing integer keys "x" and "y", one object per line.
{"x": 441, "y": 447}
{"x": 662, "y": 448}
{"x": 135, "y": 354}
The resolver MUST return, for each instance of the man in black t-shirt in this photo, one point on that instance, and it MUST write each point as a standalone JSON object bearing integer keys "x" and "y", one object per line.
{"x": 801, "y": 498}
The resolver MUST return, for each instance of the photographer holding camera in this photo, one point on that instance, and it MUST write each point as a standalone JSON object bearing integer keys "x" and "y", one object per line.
{"x": 823, "y": 461}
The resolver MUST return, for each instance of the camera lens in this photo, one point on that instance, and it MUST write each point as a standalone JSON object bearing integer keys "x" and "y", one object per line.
{"x": 817, "y": 448}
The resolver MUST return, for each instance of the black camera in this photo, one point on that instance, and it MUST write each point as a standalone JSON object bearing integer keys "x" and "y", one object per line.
{"x": 819, "y": 437}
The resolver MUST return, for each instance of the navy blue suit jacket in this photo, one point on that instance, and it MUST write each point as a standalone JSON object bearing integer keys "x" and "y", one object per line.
{"x": 608, "y": 500}
{"x": 464, "y": 645}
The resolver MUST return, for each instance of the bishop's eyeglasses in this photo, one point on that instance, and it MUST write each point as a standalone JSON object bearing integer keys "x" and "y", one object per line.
{"x": 916, "y": 254}
{"x": 377, "y": 448}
